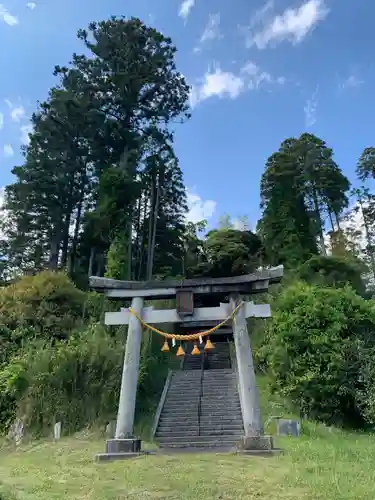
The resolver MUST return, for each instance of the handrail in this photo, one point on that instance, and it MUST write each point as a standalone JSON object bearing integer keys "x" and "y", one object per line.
{"x": 161, "y": 403}
{"x": 200, "y": 394}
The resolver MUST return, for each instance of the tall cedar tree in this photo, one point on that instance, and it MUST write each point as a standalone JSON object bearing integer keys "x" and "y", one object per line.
{"x": 286, "y": 225}
{"x": 81, "y": 182}
{"x": 301, "y": 186}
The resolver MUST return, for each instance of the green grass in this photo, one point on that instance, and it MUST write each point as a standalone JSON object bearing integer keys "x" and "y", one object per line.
{"x": 335, "y": 466}
{"x": 324, "y": 463}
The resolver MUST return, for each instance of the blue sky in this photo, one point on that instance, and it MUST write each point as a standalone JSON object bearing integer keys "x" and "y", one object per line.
{"x": 260, "y": 72}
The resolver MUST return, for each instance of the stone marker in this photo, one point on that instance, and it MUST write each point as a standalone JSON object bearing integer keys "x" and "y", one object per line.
{"x": 16, "y": 431}
{"x": 57, "y": 431}
{"x": 287, "y": 427}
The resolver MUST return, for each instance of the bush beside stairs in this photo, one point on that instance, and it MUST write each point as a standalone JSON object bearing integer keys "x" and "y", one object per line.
{"x": 202, "y": 407}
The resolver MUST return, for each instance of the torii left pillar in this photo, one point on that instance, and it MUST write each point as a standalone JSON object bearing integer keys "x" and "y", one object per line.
{"x": 124, "y": 443}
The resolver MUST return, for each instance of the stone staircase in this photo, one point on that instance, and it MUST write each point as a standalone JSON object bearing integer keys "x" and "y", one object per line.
{"x": 201, "y": 410}
{"x": 217, "y": 358}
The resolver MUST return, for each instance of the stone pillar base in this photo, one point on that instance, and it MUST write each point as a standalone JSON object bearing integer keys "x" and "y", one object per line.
{"x": 120, "y": 449}
{"x": 256, "y": 443}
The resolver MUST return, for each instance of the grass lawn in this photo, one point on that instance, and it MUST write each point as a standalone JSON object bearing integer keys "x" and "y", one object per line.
{"x": 326, "y": 465}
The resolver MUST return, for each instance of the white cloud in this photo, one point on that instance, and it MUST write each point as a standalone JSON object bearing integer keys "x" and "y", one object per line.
{"x": 2, "y": 194}
{"x": 212, "y": 29}
{"x": 185, "y": 8}
{"x": 228, "y": 84}
{"x": 6, "y": 17}
{"x": 255, "y": 76}
{"x": 31, "y": 5}
{"x": 217, "y": 83}
{"x": 1, "y": 120}
{"x": 17, "y": 113}
{"x": 311, "y": 108}
{"x": 25, "y": 131}
{"x": 199, "y": 209}
{"x": 293, "y": 25}
{"x": 351, "y": 82}
{"x": 8, "y": 150}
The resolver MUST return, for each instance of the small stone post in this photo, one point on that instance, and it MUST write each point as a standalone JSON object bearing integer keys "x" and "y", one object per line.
{"x": 254, "y": 438}
{"x": 124, "y": 441}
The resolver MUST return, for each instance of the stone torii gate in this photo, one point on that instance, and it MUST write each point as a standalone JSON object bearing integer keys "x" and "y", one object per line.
{"x": 125, "y": 444}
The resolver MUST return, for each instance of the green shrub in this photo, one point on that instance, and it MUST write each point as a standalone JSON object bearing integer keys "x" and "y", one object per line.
{"x": 315, "y": 347}
{"x": 75, "y": 382}
{"x": 46, "y": 305}
{"x": 333, "y": 271}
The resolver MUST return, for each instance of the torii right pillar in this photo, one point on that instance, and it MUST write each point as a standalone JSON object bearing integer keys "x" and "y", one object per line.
{"x": 254, "y": 438}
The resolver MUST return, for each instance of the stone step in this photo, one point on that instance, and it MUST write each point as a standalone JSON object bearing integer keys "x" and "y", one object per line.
{"x": 172, "y": 422}
{"x": 224, "y": 402}
{"x": 191, "y": 428}
{"x": 194, "y": 388}
{"x": 223, "y": 394}
{"x": 207, "y": 439}
{"x": 221, "y": 432}
{"x": 186, "y": 374}
{"x": 183, "y": 395}
{"x": 186, "y": 426}
{"x": 180, "y": 411}
{"x": 213, "y": 421}
{"x": 206, "y": 430}
{"x": 180, "y": 415}
{"x": 183, "y": 398}
{"x": 207, "y": 401}
{"x": 181, "y": 407}
{"x": 224, "y": 370}
{"x": 177, "y": 434}
{"x": 202, "y": 433}
{"x": 216, "y": 394}
{"x": 226, "y": 415}
{"x": 220, "y": 390}
{"x": 219, "y": 399}
{"x": 228, "y": 445}
{"x": 219, "y": 381}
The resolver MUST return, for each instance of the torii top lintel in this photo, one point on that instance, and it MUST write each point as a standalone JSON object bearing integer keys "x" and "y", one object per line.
{"x": 257, "y": 282}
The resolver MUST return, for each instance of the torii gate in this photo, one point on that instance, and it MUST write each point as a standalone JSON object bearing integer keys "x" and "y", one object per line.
{"x": 125, "y": 444}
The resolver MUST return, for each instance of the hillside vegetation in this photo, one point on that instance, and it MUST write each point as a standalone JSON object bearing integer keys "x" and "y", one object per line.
{"x": 100, "y": 191}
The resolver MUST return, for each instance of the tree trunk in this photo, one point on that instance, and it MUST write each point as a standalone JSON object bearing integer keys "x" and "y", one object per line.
{"x": 142, "y": 240}
{"x": 68, "y": 218}
{"x": 331, "y": 220}
{"x": 319, "y": 222}
{"x": 155, "y": 221}
{"x": 337, "y": 221}
{"x": 368, "y": 237}
{"x": 77, "y": 226}
{"x": 54, "y": 253}
{"x": 130, "y": 246}
{"x": 150, "y": 228}
{"x": 91, "y": 262}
